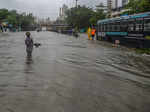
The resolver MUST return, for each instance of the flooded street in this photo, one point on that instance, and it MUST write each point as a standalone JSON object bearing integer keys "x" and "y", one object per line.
{"x": 71, "y": 75}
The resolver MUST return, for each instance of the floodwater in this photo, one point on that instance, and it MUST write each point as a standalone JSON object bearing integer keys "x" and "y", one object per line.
{"x": 67, "y": 74}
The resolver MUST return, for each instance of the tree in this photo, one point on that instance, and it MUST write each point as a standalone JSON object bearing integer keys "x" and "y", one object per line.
{"x": 98, "y": 14}
{"x": 16, "y": 19}
{"x": 83, "y": 17}
{"x": 133, "y": 5}
{"x": 138, "y": 6}
{"x": 144, "y": 5}
{"x": 12, "y": 17}
{"x": 3, "y": 14}
{"x": 79, "y": 17}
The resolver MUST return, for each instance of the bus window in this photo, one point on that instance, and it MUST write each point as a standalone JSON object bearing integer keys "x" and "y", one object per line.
{"x": 147, "y": 24}
{"x": 139, "y": 25}
{"x": 108, "y": 27}
{"x": 105, "y": 27}
{"x": 113, "y": 27}
{"x": 123, "y": 26}
{"x": 131, "y": 26}
{"x": 102, "y": 27}
{"x": 99, "y": 27}
{"x": 117, "y": 26}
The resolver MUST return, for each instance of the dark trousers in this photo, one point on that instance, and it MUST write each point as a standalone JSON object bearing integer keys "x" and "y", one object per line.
{"x": 93, "y": 37}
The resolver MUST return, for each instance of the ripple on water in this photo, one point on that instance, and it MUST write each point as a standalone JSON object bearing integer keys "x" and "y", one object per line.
{"x": 76, "y": 62}
{"x": 75, "y": 46}
{"x": 4, "y": 85}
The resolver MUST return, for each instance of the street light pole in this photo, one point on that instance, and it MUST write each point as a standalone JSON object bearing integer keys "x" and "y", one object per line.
{"x": 76, "y": 3}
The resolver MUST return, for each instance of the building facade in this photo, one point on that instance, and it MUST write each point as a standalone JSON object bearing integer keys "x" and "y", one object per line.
{"x": 62, "y": 12}
{"x": 112, "y": 4}
{"x": 109, "y": 2}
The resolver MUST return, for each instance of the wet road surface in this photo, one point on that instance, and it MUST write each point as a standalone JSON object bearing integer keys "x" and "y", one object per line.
{"x": 71, "y": 75}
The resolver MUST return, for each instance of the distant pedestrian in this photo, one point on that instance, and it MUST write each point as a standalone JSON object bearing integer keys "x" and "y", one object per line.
{"x": 89, "y": 33}
{"x": 29, "y": 44}
{"x": 1, "y": 28}
{"x": 76, "y": 32}
{"x": 93, "y": 32}
{"x": 5, "y": 28}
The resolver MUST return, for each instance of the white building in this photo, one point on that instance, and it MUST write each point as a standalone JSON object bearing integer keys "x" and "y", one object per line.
{"x": 62, "y": 13}
{"x": 102, "y": 7}
{"x": 116, "y": 7}
{"x": 112, "y": 4}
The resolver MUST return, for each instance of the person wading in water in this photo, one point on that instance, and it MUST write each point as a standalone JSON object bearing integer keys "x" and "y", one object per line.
{"x": 29, "y": 44}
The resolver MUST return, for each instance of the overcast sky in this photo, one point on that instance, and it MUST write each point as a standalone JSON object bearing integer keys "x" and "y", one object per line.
{"x": 44, "y": 8}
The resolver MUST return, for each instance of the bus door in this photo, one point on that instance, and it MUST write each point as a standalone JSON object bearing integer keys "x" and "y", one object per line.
{"x": 123, "y": 26}
{"x": 131, "y": 28}
{"x": 139, "y": 27}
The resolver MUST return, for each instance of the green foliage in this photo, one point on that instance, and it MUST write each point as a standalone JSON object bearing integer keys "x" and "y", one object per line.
{"x": 144, "y": 5}
{"x": 26, "y": 20}
{"x": 3, "y": 14}
{"x": 138, "y": 6}
{"x": 16, "y": 19}
{"x": 97, "y": 15}
{"x": 83, "y": 17}
{"x": 143, "y": 51}
{"x": 79, "y": 17}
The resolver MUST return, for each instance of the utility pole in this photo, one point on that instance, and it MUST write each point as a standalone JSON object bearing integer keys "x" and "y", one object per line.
{"x": 76, "y": 3}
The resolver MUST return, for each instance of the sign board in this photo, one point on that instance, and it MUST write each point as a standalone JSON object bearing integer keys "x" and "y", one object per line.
{"x": 101, "y": 34}
{"x": 117, "y": 42}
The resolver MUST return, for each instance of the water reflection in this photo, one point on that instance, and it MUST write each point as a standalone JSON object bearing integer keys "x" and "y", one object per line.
{"x": 29, "y": 60}
{"x": 28, "y": 64}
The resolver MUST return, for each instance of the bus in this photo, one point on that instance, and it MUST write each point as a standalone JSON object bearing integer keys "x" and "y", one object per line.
{"x": 131, "y": 30}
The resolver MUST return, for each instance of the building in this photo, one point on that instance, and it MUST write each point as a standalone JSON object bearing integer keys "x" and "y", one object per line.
{"x": 116, "y": 7}
{"x": 102, "y": 7}
{"x": 62, "y": 12}
{"x": 109, "y": 2}
{"x": 112, "y": 4}
{"x": 124, "y": 2}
